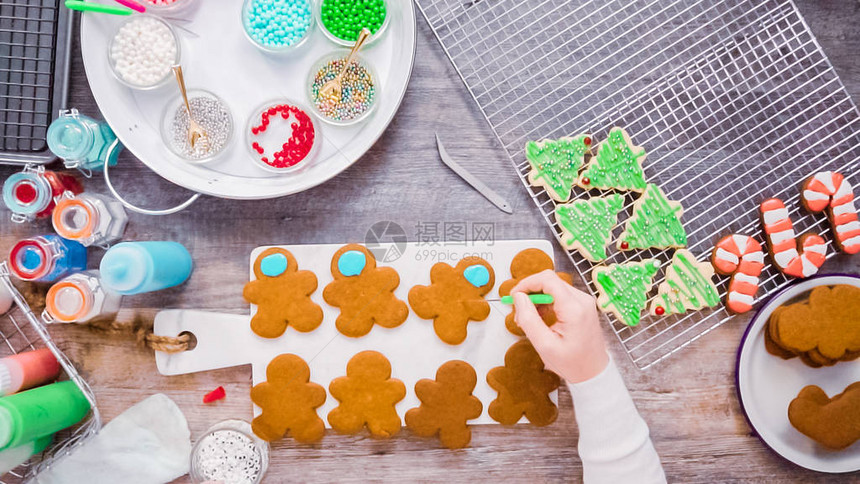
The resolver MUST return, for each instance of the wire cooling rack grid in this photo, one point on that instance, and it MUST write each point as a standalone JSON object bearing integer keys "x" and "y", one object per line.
{"x": 733, "y": 100}
{"x": 21, "y": 330}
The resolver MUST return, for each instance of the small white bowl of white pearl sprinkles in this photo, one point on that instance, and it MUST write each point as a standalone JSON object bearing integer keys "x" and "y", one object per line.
{"x": 142, "y": 52}
{"x": 211, "y": 113}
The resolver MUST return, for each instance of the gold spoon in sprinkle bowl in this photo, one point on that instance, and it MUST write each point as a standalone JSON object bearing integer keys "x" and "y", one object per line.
{"x": 196, "y": 133}
{"x": 333, "y": 89}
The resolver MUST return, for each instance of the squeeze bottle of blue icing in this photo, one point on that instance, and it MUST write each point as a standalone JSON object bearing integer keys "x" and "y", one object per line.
{"x": 42, "y": 411}
{"x": 138, "y": 267}
{"x": 46, "y": 258}
{"x": 81, "y": 141}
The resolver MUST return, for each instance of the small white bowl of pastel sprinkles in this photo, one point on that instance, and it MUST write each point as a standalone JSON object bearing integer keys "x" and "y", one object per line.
{"x": 142, "y": 51}
{"x": 359, "y": 93}
{"x": 282, "y": 136}
{"x": 277, "y": 26}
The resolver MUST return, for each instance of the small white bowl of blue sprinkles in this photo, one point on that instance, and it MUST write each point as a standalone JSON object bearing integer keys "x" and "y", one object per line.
{"x": 277, "y": 26}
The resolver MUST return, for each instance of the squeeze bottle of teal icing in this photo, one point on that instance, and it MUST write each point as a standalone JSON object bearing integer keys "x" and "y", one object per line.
{"x": 138, "y": 267}
{"x": 42, "y": 411}
{"x": 82, "y": 142}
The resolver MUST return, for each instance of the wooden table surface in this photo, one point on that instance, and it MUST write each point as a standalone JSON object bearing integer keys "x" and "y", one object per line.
{"x": 689, "y": 401}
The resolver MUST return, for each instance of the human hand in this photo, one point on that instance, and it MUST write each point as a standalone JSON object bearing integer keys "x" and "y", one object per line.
{"x": 573, "y": 347}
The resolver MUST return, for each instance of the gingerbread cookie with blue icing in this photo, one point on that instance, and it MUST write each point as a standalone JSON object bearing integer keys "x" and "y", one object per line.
{"x": 282, "y": 294}
{"x": 454, "y": 297}
{"x": 363, "y": 292}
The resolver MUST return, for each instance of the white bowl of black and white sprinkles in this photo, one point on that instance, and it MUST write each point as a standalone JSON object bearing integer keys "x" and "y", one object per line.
{"x": 211, "y": 113}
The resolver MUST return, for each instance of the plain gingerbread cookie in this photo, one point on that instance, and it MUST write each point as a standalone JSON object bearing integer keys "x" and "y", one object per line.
{"x": 282, "y": 295}
{"x": 289, "y": 402}
{"x": 363, "y": 292}
{"x": 447, "y": 404}
{"x": 524, "y": 386}
{"x": 454, "y": 297}
{"x": 367, "y": 396}
{"x": 832, "y": 422}
{"x": 527, "y": 263}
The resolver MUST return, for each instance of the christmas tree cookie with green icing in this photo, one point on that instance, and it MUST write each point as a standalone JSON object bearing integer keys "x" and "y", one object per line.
{"x": 586, "y": 225}
{"x": 688, "y": 286}
{"x": 656, "y": 223}
{"x": 617, "y": 165}
{"x": 624, "y": 288}
{"x": 555, "y": 164}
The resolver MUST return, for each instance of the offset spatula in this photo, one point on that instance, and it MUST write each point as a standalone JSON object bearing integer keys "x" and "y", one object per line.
{"x": 471, "y": 179}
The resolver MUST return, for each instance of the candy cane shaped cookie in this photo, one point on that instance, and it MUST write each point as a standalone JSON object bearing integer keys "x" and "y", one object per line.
{"x": 742, "y": 258}
{"x": 783, "y": 243}
{"x": 830, "y": 190}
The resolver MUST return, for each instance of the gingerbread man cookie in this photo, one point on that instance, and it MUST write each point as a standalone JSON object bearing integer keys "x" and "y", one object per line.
{"x": 454, "y": 297}
{"x": 524, "y": 386}
{"x": 367, "y": 396}
{"x": 289, "y": 402}
{"x": 527, "y": 263}
{"x": 447, "y": 404}
{"x": 282, "y": 295}
{"x": 363, "y": 292}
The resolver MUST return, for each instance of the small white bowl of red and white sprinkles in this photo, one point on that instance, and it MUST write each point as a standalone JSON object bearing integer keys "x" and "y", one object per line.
{"x": 282, "y": 136}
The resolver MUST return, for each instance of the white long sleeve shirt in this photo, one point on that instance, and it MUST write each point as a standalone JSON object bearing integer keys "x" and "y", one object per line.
{"x": 614, "y": 442}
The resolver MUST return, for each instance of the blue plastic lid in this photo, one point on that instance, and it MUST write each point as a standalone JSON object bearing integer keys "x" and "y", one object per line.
{"x": 70, "y": 138}
{"x": 27, "y": 193}
{"x": 124, "y": 269}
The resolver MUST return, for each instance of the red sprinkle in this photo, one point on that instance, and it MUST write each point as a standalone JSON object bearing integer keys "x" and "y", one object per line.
{"x": 586, "y": 181}
{"x": 659, "y": 310}
{"x": 625, "y": 246}
{"x": 587, "y": 141}
{"x": 214, "y": 395}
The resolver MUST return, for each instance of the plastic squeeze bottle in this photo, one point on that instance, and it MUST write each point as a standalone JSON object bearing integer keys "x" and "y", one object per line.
{"x": 139, "y": 267}
{"x": 27, "y": 370}
{"x": 42, "y": 411}
{"x": 6, "y": 299}
{"x": 15, "y": 456}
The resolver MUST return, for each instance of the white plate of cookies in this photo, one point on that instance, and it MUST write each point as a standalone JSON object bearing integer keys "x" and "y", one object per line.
{"x": 797, "y": 372}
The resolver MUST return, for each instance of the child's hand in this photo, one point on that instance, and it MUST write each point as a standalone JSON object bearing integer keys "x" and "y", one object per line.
{"x": 573, "y": 347}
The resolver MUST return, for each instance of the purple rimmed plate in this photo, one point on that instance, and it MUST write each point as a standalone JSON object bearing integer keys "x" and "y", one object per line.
{"x": 767, "y": 384}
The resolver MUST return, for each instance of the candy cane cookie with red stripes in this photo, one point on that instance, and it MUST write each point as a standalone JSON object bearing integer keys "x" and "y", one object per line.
{"x": 830, "y": 190}
{"x": 783, "y": 243}
{"x": 742, "y": 258}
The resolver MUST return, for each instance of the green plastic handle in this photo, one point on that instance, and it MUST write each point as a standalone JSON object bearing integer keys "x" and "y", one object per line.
{"x": 97, "y": 7}
{"x": 535, "y": 298}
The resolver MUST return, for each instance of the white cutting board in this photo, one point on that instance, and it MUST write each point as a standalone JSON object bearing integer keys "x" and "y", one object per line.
{"x": 414, "y": 350}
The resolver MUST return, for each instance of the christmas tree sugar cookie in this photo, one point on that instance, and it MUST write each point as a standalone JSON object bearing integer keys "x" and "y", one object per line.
{"x": 454, "y": 297}
{"x": 655, "y": 223}
{"x": 524, "y": 385}
{"x": 555, "y": 164}
{"x": 587, "y": 225}
{"x": 527, "y": 263}
{"x": 282, "y": 295}
{"x": 447, "y": 405}
{"x": 624, "y": 288}
{"x": 289, "y": 401}
{"x": 688, "y": 286}
{"x": 367, "y": 396}
{"x": 617, "y": 165}
{"x": 363, "y": 292}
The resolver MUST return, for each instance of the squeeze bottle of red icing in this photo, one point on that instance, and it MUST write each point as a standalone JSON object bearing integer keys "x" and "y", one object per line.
{"x": 27, "y": 370}
{"x": 42, "y": 411}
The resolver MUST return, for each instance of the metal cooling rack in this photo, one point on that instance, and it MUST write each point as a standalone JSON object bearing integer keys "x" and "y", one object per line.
{"x": 733, "y": 100}
{"x": 21, "y": 330}
{"x": 35, "y": 36}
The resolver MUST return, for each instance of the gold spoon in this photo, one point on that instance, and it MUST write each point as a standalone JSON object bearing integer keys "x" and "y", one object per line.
{"x": 334, "y": 87}
{"x": 195, "y": 131}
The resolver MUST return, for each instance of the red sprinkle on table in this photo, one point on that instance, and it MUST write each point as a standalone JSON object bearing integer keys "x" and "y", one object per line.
{"x": 297, "y": 147}
{"x": 214, "y": 395}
